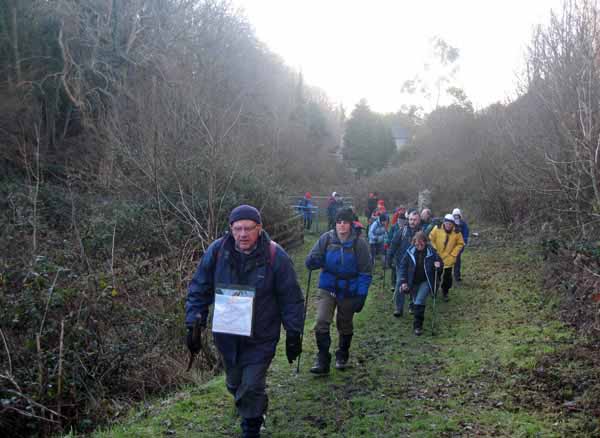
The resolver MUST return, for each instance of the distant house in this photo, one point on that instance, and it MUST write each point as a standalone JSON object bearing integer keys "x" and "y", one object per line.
{"x": 401, "y": 136}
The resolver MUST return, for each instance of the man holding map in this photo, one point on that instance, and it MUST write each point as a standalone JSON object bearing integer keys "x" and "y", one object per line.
{"x": 252, "y": 283}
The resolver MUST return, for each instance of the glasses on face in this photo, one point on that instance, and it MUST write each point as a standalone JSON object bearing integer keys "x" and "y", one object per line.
{"x": 239, "y": 229}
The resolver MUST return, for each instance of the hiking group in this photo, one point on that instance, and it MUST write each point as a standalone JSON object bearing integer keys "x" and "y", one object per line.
{"x": 252, "y": 286}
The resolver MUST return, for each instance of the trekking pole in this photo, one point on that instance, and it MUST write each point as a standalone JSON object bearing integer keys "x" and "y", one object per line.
{"x": 435, "y": 276}
{"x": 304, "y": 320}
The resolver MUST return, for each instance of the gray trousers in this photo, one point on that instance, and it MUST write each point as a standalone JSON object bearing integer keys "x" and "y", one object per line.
{"x": 248, "y": 386}
{"x": 326, "y": 305}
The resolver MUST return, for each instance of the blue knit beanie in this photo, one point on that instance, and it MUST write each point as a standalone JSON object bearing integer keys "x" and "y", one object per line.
{"x": 244, "y": 211}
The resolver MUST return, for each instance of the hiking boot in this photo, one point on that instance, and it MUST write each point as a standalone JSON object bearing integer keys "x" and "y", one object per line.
{"x": 392, "y": 288}
{"x": 323, "y": 359}
{"x": 445, "y": 295}
{"x": 398, "y": 313}
{"x": 411, "y": 309}
{"x": 251, "y": 427}
{"x": 341, "y": 355}
{"x": 341, "y": 362}
{"x": 419, "y": 312}
{"x": 322, "y": 363}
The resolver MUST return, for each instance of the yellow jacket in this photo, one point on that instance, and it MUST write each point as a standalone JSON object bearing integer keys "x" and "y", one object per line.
{"x": 447, "y": 245}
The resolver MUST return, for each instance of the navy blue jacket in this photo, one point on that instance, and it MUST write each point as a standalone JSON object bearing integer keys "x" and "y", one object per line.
{"x": 400, "y": 243}
{"x": 464, "y": 230}
{"x": 346, "y": 265}
{"x": 333, "y": 207}
{"x": 306, "y": 208}
{"x": 408, "y": 264}
{"x": 278, "y": 296}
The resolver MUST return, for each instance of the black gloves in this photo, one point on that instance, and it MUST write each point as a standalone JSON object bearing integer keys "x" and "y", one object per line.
{"x": 358, "y": 303}
{"x": 293, "y": 346}
{"x": 194, "y": 338}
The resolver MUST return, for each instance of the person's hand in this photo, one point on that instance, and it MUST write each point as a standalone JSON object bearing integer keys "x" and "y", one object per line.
{"x": 437, "y": 265}
{"x": 404, "y": 287}
{"x": 194, "y": 338}
{"x": 293, "y": 346}
{"x": 359, "y": 303}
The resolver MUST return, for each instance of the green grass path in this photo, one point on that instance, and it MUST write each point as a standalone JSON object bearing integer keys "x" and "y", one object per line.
{"x": 465, "y": 381}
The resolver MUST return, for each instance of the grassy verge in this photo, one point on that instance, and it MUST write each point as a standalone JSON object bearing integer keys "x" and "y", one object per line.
{"x": 464, "y": 381}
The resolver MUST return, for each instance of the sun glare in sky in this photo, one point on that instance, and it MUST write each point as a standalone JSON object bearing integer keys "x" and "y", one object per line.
{"x": 367, "y": 49}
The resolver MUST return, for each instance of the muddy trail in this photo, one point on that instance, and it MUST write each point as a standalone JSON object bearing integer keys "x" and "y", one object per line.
{"x": 499, "y": 365}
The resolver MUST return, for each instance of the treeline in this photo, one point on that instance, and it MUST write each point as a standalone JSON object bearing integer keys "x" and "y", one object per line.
{"x": 128, "y": 130}
{"x": 533, "y": 160}
{"x": 173, "y": 100}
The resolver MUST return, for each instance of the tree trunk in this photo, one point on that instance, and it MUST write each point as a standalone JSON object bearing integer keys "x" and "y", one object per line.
{"x": 15, "y": 42}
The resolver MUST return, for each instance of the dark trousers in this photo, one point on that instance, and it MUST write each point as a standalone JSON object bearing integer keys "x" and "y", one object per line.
{"x": 331, "y": 223}
{"x": 376, "y": 249}
{"x": 307, "y": 222}
{"x": 446, "y": 280}
{"x": 248, "y": 386}
{"x": 457, "y": 266}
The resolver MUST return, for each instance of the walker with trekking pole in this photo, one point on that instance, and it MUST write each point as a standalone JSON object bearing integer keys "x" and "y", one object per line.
{"x": 434, "y": 296}
{"x": 304, "y": 319}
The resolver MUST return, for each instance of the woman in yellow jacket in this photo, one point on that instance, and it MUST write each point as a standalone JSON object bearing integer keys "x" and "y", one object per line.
{"x": 448, "y": 242}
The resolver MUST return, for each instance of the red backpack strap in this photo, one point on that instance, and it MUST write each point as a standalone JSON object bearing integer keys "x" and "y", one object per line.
{"x": 272, "y": 251}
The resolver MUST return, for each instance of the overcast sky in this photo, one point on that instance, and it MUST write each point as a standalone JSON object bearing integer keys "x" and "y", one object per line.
{"x": 354, "y": 49}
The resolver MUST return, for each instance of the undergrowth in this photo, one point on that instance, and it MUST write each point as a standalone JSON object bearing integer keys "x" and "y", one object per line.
{"x": 478, "y": 376}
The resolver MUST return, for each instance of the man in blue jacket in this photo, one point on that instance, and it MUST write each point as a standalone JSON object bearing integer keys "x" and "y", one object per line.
{"x": 252, "y": 283}
{"x": 343, "y": 284}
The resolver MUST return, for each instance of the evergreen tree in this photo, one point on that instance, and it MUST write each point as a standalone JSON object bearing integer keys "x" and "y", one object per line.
{"x": 368, "y": 142}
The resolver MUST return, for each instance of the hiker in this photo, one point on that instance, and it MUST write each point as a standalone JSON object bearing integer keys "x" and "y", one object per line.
{"x": 377, "y": 236}
{"x": 434, "y": 222}
{"x": 307, "y": 210}
{"x": 399, "y": 217}
{"x": 343, "y": 285}
{"x": 335, "y": 204}
{"x": 245, "y": 265}
{"x": 416, "y": 275}
{"x": 426, "y": 218}
{"x": 371, "y": 204}
{"x": 358, "y": 227}
{"x": 378, "y": 211}
{"x": 402, "y": 240}
{"x": 464, "y": 230}
{"x": 448, "y": 242}
{"x": 397, "y": 222}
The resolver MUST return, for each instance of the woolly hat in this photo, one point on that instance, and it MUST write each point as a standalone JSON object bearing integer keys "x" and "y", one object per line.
{"x": 411, "y": 211}
{"x": 307, "y": 195}
{"x": 383, "y": 217}
{"x": 334, "y": 194}
{"x": 449, "y": 218}
{"x": 242, "y": 212}
{"x": 345, "y": 214}
{"x": 456, "y": 211}
{"x": 381, "y": 202}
